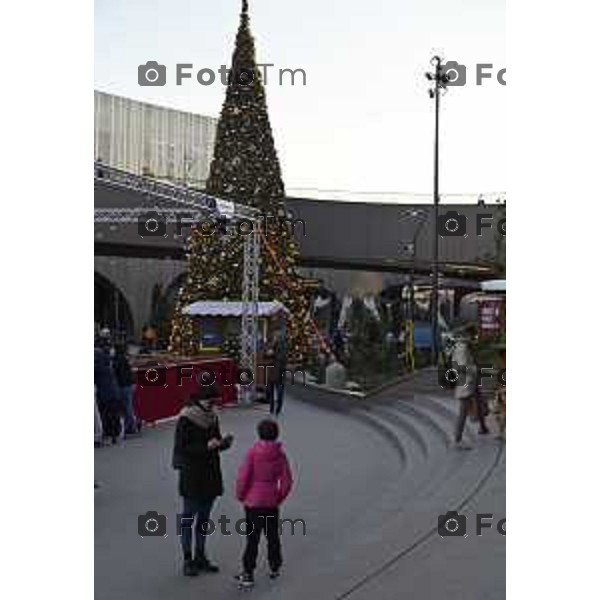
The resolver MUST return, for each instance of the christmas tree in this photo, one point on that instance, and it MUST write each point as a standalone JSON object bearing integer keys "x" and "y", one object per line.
{"x": 245, "y": 169}
{"x": 367, "y": 350}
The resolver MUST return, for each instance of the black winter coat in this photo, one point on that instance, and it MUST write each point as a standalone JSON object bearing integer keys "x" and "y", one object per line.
{"x": 199, "y": 468}
{"x": 104, "y": 379}
{"x": 122, "y": 369}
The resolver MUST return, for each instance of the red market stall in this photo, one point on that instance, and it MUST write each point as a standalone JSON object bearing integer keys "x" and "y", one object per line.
{"x": 223, "y": 318}
{"x": 492, "y": 315}
{"x": 164, "y": 383}
{"x": 492, "y": 308}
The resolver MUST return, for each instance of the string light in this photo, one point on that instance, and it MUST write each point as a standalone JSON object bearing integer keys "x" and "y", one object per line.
{"x": 244, "y": 169}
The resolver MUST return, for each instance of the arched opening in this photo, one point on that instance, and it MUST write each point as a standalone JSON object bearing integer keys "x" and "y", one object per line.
{"x": 163, "y": 307}
{"x": 111, "y": 308}
{"x": 325, "y": 309}
{"x": 170, "y": 295}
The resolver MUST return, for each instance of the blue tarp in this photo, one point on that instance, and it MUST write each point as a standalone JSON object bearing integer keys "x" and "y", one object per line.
{"x": 422, "y": 335}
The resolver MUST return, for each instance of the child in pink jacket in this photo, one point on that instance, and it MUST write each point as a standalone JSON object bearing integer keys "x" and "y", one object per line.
{"x": 264, "y": 481}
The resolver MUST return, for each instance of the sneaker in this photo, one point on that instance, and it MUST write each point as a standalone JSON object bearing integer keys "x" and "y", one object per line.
{"x": 462, "y": 446}
{"x": 203, "y": 564}
{"x": 274, "y": 574}
{"x": 484, "y": 431}
{"x": 245, "y": 580}
{"x": 190, "y": 569}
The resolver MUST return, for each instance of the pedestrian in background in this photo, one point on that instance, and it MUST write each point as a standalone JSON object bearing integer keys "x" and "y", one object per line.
{"x": 276, "y": 368}
{"x": 97, "y": 421}
{"x": 264, "y": 481}
{"x": 107, "y": 394}
{"x": 198, "y": 442}
{"x": 124, "y": 378}
{"x": 466, "y": 391}
{"x": 501, "y": 400}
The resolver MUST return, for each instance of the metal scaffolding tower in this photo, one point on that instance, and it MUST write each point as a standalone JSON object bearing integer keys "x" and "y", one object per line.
{"x": 250, "y": 291}
{"x": 174, "y": 203}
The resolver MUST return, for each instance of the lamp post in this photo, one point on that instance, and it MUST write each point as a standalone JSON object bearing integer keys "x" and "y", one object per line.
{"x": 439, "y": 79}
{"x": 408, "y": 295}
{"x": 412, "y": 250}
{"x": 188, "y": 161}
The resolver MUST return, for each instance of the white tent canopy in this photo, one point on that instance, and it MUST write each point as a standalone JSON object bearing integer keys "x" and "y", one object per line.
{"x": 222, "y": 308}
{"x": 494, "y": 285}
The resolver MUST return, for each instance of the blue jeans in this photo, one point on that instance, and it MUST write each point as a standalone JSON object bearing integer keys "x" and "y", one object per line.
{"x": 126, "y": 392}
{"x": 198, "y": 509}
{"x": 275, "y": 392}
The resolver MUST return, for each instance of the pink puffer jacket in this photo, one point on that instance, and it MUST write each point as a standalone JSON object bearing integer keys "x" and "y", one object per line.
{"x": 264, "y": 478}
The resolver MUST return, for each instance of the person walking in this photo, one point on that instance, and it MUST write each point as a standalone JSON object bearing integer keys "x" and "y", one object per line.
{"x": 198, "y": 442}
{"x": 467, "y": 393}
{"x": 97, "y": 421}
{"x": 337, "y": 342}
{"x": 276, "y": 373}
{"x": 124, "y": 378}
{"x": 264, "y": 481}
{"x": 501, "y": 400}
{"x": 107, "y": 393}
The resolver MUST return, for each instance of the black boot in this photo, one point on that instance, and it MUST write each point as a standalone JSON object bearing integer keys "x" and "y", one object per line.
{"x": 245, "y": 580}
{"x": 203, "y": 564}
{"x": 190, "y": 569}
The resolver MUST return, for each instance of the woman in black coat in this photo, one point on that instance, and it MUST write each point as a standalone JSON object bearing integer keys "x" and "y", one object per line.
{"x": 125, "y": 383}
{"x": 107, "y": 394}
{"x": 198, "y": 442}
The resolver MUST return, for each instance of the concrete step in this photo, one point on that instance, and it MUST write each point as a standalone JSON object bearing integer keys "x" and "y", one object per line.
{"x": 389, "y": 432}
{"x": 391, "y": 535}
{"x": 444, "y": 409}
{"x": 435, "y": 432}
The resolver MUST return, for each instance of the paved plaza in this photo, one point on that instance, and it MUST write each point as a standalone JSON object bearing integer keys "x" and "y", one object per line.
{"x": 371, "y": 478}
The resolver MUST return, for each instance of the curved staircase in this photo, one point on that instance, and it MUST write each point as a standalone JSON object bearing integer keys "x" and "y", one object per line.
{"x": 433, "y": 476}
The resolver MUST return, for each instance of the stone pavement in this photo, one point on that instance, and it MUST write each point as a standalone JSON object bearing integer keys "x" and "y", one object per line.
{"x": 372, "y": 476}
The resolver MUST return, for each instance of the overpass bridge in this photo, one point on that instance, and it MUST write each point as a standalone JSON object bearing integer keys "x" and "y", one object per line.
{"x": 351, "y": 247}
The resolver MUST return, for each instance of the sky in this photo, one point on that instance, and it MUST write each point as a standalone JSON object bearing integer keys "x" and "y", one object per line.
{"x": 363, "y": 122}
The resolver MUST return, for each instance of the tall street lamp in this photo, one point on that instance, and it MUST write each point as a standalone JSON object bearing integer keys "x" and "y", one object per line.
{"x": 439, "y": 79}
{"x": 420, "y": 216}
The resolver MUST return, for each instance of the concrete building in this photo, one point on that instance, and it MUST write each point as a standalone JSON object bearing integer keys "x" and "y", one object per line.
{"x": 352, "y": 248}
{"x": 153, "y": 140}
